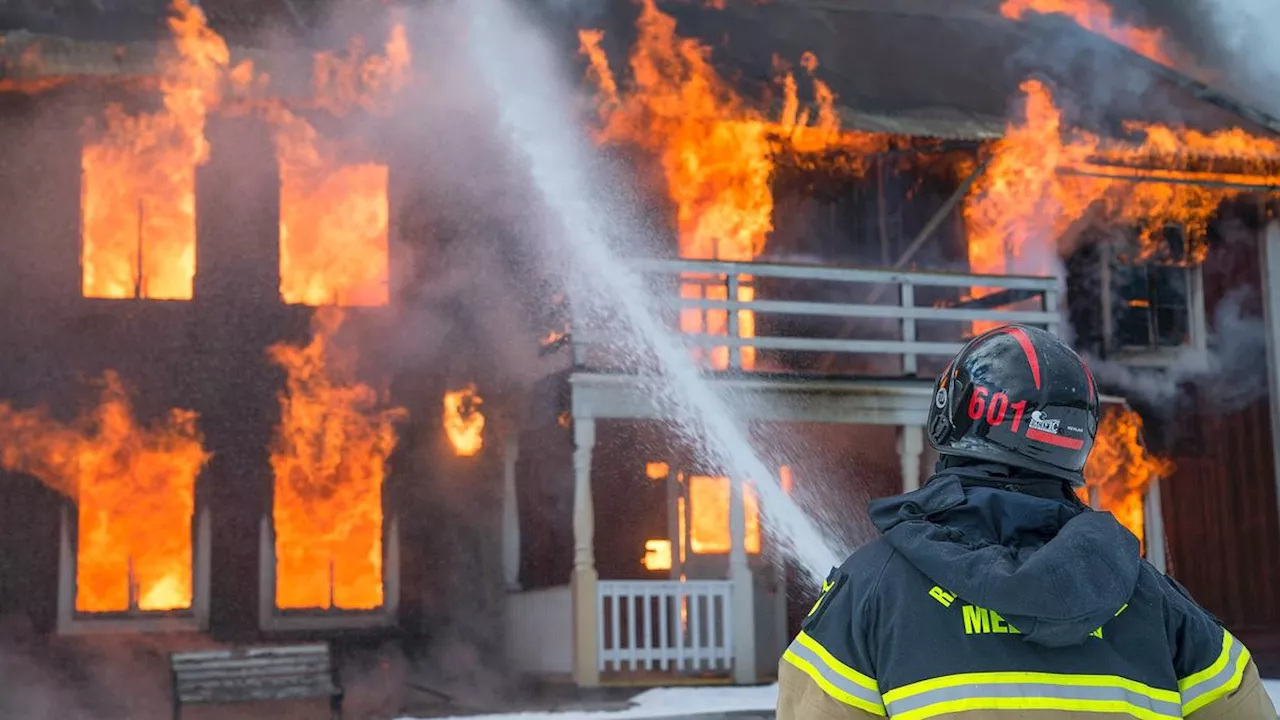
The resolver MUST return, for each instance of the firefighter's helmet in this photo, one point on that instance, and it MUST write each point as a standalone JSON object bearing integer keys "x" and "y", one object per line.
{"x": 1017, "y": 396}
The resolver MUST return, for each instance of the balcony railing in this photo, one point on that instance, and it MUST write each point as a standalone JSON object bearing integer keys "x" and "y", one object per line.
{"x": 797, "y": 318}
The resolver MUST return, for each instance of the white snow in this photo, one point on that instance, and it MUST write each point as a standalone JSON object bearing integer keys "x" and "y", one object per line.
{"x": 665, "y": 703}
{"x": 1273, "y": 689}
{"x": 677, "y": 702}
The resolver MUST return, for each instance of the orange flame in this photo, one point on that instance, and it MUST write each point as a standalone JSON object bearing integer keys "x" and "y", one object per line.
{"x": 657, "y": 555}
{"x": 1030, "y": 196}
{"x": 714, "y": 151}
{"x": 1096, "y": 16}
{"x": 709, "y": 524}
{"x": 1121, "y": 468}
{"x": 134, "y": 487}
{"x": 333, "y": 214}
{"x": 463, "y": 421}
{"x": 138, "y": 187}
{"x": 329, "y": 457}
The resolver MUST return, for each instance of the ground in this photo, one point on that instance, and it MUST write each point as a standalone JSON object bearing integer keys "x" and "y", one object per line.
{"x": 750, "y": 702}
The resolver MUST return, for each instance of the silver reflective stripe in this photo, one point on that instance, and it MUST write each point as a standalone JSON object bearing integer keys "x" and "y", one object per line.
{"x": 1034, "y": 690}
{"x": 830, "y": 675}
{"x": 1218, "y": 680}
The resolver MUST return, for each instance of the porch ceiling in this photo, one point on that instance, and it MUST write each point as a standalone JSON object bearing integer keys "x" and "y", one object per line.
{"x": 865, "y": 401}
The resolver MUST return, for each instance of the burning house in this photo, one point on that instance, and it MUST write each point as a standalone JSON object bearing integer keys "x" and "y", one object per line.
{"x": 207, "y": 432}
{"x": 1013, "y": 162}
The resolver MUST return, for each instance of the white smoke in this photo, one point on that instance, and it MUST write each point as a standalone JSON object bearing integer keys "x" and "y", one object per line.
{"x": 1245, "y": 31}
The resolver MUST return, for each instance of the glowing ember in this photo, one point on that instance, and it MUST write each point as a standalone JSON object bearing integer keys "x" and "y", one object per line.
{"x": 463, "y": 421}
{"x": 134, "y": 487}
{"x": 138, "y": 187}
{"x": 1095, "y": 16}
{"x": 329, "y": 457}
{"x": 715, "y": 153}
{"x": 709, "y": 524}
{"x": 657, "y": 555}
{"x": 1031, "y": 192}
{"x": 786, "y": 479}
{"x": 1121, "y": 469}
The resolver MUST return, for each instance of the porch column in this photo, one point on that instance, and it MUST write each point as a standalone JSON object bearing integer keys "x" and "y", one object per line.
{"x": 1153, "y": 526}
{"x": 1270, "y": 250}
{"x": 510, "y": 514}
{"x": 743, "y": 625}
{"x": 586, "y": 669}
{"x": 910, "y": 446}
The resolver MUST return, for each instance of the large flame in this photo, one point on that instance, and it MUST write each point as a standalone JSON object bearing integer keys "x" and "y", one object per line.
{"x": 329, "y": 457}
{"x": 463, "y": 421}
{"x": 333, "y": 213}
{"x": 1032, "y": 192}
{"x": 1097, "y": 17}
{"x": 1121, "y": 469}
{"x": 138, "y": 187}
{"x": 715, "y": 152}
{"x": 134, "y": 488}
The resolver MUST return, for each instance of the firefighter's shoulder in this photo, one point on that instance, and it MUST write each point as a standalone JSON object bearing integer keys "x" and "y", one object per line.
{"x": 833, "y": 655}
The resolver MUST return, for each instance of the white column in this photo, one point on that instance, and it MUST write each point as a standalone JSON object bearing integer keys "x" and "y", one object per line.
{"x": 744, "y": 615}
{"x": 1153, "y": 526}
{"x": 586, "y": 669}
{"x": 910, "y": 447}
{"x": 510, "y": 514}
{"x": 1270, "y": 247}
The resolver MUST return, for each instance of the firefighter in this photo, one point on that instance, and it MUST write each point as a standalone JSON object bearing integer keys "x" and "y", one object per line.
{"x": 994, "y": 592}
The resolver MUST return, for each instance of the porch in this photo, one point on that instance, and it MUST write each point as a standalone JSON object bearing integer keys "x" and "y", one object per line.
{"x": 722, "y": 616}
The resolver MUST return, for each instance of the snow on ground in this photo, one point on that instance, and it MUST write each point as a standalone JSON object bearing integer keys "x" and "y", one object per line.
{"x": 678, "y": 702}
{"x": 1273, "y": 688}
{"x": 667, "y": 703}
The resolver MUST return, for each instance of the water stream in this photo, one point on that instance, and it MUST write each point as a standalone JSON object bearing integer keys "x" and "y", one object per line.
{"x": 586, "y": 220}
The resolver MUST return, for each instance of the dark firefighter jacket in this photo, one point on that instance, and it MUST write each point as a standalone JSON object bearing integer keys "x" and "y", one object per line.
{"x": 993, "y": 597}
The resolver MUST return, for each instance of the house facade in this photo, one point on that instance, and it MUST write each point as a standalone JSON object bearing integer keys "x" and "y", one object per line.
{"x": 346, "y": 456}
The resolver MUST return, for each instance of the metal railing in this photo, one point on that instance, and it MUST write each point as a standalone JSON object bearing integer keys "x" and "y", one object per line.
{"x": 664, "y": 625}
{"x": 915, "y": 314}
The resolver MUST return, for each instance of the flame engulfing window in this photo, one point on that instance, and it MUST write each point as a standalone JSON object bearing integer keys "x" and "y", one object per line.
{"x": 329, "y": 458}
{"x": 138, "y": 199}
{"x": 134, "y": 487}
{"x": 333, "y": 233}
{"x": 709, "y": 510}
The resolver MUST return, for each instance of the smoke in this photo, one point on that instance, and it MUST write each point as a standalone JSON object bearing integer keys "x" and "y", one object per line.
{"x": 1245, "y": 47}
{"x": 1232, "y": 371}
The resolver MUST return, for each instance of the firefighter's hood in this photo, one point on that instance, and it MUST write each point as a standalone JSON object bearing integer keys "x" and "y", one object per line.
{"x": 1052, "y": 568}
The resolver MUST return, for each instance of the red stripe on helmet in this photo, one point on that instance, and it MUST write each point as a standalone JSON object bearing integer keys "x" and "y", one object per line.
{"x": 1051, "y": 439}
{"x": 1030, "y": 351}
{"x": 1089, "y": 376}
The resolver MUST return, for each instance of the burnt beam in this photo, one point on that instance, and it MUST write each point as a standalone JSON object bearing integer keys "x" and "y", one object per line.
{"x": 1221, "y": 181}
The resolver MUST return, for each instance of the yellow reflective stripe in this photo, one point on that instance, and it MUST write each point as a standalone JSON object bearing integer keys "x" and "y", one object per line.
{"x": 1032, "y": 678}
{"x": 830, "y": 661}
{"x": 1032, "y": 703}
{"x": 1213, "y": 669}
{"x": 833, "y": 686}
{"x": 1218, "y": 680}
{"x": 1031, "y": 691}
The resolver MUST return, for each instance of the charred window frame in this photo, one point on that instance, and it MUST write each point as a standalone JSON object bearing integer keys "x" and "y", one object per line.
{"x": 74, "y": 622}
{"x": 1150, "y": 312}
{"x": 275, "y": 619}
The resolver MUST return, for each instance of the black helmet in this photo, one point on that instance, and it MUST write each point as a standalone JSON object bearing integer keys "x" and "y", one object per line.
{"x": 1017, "y": 396}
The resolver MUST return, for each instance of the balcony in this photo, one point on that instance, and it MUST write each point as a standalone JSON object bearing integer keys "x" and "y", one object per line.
{"x": 807, "y": 343}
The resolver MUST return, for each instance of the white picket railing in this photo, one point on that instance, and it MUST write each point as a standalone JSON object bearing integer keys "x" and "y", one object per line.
{"x": 880, "y": 312}
{"x": 665, "y": 625}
